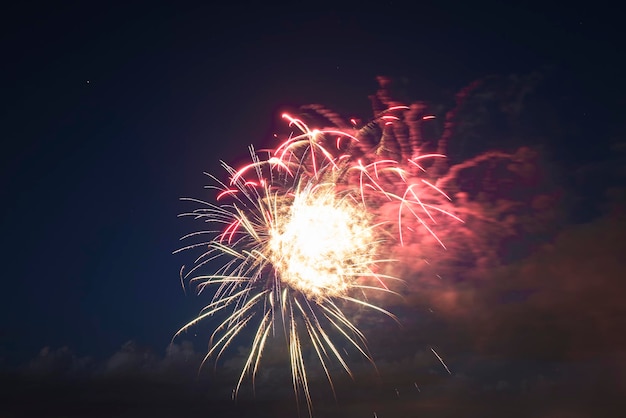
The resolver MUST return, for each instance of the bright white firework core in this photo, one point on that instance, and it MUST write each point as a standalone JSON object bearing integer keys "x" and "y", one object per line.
{"x": 321, "y": 243}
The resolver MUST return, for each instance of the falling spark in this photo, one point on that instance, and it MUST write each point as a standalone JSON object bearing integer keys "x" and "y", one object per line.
{"x": 440, "y": 359}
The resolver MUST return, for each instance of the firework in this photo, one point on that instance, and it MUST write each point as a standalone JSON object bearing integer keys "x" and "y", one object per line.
{"x": 305, "y": 229}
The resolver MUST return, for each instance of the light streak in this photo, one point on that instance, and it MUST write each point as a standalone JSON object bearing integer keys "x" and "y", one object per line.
{"x": 441, "y": 360}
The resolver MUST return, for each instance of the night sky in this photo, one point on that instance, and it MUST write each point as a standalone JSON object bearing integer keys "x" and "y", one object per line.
{"x": 112, "y": 111}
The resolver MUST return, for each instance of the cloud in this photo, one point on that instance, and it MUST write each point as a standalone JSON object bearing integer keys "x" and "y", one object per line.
{"x": 58, "y": 363}
{"x": 180, "y": 362}
{"x": 131, "y": 359}
{"x": 180, "y": 359}
{"x": 566, "y": 299}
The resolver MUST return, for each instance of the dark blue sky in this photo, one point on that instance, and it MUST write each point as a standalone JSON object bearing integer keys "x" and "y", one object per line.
{"x": 112, "y": 112}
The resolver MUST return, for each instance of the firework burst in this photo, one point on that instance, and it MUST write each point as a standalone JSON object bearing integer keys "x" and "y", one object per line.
{"x": 305, "y": 230}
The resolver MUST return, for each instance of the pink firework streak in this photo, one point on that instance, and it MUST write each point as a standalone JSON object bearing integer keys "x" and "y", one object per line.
{"x": 305, "y": 230}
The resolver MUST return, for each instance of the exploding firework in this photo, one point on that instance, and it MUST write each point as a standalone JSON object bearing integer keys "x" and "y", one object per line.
{"x": 305, "y": 230}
